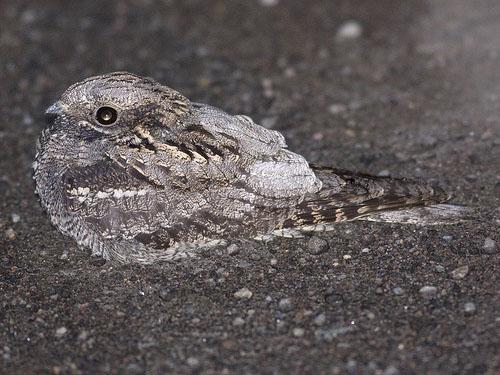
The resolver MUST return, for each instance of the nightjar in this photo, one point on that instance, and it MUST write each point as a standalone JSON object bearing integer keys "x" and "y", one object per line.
{"x": 136, "y": 172}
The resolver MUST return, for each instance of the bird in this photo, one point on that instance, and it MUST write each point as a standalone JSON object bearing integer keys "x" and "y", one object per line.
{"x": 137, "y": 173}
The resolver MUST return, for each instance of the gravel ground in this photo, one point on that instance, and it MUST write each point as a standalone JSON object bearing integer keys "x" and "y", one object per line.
{"x": 407, "y": 88}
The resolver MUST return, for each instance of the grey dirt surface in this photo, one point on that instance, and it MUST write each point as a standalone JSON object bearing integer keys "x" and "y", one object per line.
{"x": 407, "y": 88}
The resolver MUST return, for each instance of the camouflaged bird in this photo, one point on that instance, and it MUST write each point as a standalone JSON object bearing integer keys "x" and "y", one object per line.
{"x": 136, "y": 172}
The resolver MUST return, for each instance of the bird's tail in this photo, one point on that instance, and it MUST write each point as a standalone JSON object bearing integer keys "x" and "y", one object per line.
{"x": 348, "y": 196}
{"x": 425, "y": 215}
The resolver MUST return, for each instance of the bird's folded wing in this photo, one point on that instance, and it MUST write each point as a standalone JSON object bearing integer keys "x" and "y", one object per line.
{"x": 349, "y": 196}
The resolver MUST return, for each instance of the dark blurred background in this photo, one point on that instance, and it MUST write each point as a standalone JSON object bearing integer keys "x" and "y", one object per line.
{"x": 407, "y": 88}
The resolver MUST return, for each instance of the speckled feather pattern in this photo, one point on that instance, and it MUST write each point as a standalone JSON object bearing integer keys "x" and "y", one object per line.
{"x": 170, "y": 176}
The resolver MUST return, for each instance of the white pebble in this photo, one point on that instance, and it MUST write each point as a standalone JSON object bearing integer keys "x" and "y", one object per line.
{"x": 337, "y": 108}
{"x": 243, "y": 293}
{"x": 349, "y": 30}
{"x": 398, "y": 291}
{"x": 489, "y": 246}
{"x": 298, "y": 332}
{"x": 320, "y": 320}
{"x": 469, "y": 307}
{"x": 428, "y": 291}
{"x": 238, "y": 322}
{"x": 61, "y": 331}
{"x": 268, "y": 3}
{"x": 193, "y": 362}
{"x": 10, "y": 234}
{"x": 440, "y": 268}
{"x": 460, "y": 272}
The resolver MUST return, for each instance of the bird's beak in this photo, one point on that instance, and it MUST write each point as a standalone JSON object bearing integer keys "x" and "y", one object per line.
{"x": 53, "y": 112}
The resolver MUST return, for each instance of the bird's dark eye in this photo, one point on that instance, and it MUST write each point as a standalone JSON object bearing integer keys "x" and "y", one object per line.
{"x": 106, "y": 115}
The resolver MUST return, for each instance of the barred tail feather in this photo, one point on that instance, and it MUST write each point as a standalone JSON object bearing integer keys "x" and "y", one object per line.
{"x": 431, "y": 215}
{"x": 348, "y": 196}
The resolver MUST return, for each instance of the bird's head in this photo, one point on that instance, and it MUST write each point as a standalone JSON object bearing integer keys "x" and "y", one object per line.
{"x": 115, "y": 108}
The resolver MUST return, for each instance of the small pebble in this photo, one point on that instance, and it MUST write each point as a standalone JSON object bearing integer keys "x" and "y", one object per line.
{"x": 15, "y": 218}
{"x": 398, "y": 291}
{"x": 440, "y": 268}
{"x": 298, "y": 332}
{"x": 10, "y": 234}
{"x": 349, "y": 30}
{"x": 269, "y": 3}
{"x": 273, "y": 261}
{"x": 285, "y": 304}
{"x": 490, "y": 246}
{"x": 351, "y": 365}
{"x": 428, "y": 291}
{"x": 460, "y": 272}
{"x": 469, "y": 308}
{"x": 243, "y": 293}
{"x": 365, "y": 250}
{"x": 320, "y": 319}
{"x": 244, "y": 264}
{"x": 255, "y": 256}
{"x": 233, "y": 249}
{"x": 428, "y": 140}
{"x": 238, "y": 322}
{"x": 317, "y": 245}
{"x": 447, "y": 238}
{"x": 290, "y": 72}
{"x": 61, "y": 331}
{"x": 193, "y": 362}
{"x": 346, "y": 257}
{"x": 384, "y": 173}
{"x": 317, "y": 136}
{"x": 337, "y": 108}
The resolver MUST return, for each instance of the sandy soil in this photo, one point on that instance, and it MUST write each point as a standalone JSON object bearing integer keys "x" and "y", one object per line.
{"x": 410, "y": 88}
